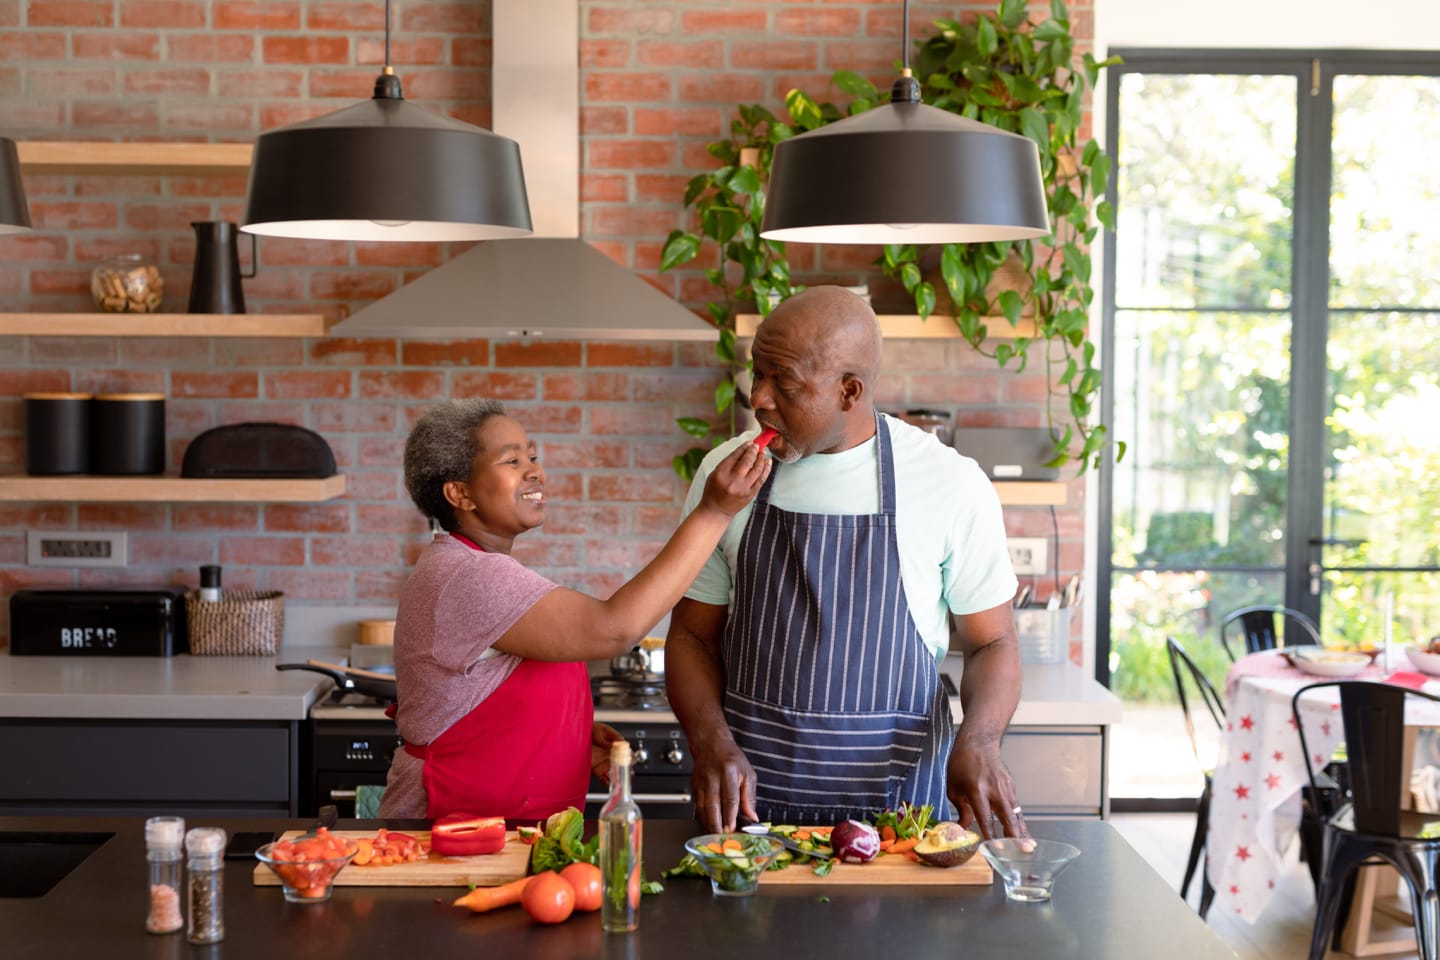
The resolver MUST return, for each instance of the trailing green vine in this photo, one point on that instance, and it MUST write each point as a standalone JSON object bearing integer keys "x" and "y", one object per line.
{"x": 1004, "y": 70}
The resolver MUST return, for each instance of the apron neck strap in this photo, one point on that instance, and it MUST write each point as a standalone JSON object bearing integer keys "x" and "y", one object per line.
{"x": 468, "y": 542}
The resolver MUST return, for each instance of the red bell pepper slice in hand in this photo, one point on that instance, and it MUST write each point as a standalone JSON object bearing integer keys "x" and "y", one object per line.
{"x": 465, "y": 835}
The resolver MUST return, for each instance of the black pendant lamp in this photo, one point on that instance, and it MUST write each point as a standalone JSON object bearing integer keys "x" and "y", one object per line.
{"x": 14, "y": 211}
{"x": 386, "y": 170}
{"x": 905, "y": 172}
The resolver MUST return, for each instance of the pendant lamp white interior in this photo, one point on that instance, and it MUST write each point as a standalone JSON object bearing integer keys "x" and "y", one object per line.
{"x": 386, "y": 170}
{"x": 14, "y": 211}
{"x": 905, "y": 172}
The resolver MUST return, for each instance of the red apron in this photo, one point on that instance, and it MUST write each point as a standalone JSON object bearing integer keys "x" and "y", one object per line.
{"x": 523, "y": 753}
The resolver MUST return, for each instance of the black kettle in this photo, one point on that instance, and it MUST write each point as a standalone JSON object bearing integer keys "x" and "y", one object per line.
{"x": 215, "y": 282}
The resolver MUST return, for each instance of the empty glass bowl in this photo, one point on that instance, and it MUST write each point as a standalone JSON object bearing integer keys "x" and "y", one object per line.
{"x": 733, "y": 861}
{"x": 1029, "y": 875}
{"x": 305, "y": 881}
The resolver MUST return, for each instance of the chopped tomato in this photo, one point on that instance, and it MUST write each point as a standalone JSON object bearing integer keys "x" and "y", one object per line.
{"x": 464, "y": 835}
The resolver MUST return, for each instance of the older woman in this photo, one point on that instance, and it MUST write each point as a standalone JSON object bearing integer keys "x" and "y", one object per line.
{"x": 494, "y": 699}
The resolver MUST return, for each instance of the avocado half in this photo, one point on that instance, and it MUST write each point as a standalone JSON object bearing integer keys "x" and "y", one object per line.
{"x": 947, "y": 845}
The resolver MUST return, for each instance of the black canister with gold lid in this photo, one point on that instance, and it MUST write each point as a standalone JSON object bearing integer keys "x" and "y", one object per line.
{"x": 127, "y": 433}
{"x": 57, "y": 433}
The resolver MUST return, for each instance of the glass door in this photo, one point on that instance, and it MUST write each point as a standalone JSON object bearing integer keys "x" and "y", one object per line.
{"x": 1272, "y": 354}
{"x": 1376, "y": 562}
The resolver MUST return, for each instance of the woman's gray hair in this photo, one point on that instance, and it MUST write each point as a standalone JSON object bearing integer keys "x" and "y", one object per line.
{"x": 442, "y": 447}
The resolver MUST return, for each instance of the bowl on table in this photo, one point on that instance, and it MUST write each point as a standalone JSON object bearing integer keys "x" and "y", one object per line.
{"x": 1027, "y": 866}
{"x": 1325, "y": 662}
{"x": 1424, "y": 659}
{"x": 733, "y": 861}
{"x": 304, "y": 881}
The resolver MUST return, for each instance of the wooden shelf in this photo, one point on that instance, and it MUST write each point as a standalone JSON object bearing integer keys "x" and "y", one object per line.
{"x": 1031, "y": 493}
{"x": 165, "y": 324}
{"x": 91, "y": 489}
{"x": 185, "y": 159}
{"x": 903, "y": 326}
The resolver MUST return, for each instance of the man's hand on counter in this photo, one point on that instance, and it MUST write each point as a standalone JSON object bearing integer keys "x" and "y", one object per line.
{"x": 723, "y": 783}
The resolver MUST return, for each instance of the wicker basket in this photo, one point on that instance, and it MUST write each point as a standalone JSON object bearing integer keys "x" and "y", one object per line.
{"x": 240, "y": 623}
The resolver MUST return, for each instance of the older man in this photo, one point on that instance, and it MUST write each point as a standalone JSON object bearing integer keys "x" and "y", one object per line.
{"x": 803, "y": 661}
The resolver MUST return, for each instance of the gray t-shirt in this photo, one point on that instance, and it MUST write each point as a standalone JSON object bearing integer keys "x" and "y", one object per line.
{"x": 453, "y": 608}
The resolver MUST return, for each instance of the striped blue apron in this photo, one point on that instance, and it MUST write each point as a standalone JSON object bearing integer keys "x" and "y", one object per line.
{"x": 829, "y": 687}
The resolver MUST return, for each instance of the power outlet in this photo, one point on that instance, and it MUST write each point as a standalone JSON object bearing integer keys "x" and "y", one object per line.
{"x": 1027, "y": 555}
{"x": 67, "y": 548}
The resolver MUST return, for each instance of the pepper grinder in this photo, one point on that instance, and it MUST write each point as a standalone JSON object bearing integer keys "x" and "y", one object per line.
{"x": 210, "y": 583}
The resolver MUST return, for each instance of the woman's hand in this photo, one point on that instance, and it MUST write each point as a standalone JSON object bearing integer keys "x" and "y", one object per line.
{"x": 602, "y": 735}
{"x": 735, "y": 480}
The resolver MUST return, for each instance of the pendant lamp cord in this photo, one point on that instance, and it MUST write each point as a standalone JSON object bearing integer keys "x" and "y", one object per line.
{"x": 906, "y": 88}
{"x": 387, "y": 85}
{"x": 387, "y": 31}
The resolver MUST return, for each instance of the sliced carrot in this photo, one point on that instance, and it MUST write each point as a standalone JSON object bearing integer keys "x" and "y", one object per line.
{"x": 714, "y": 848}
{"x": 365, "y": 852}
{"x": 803, "y": 834}
{"x": 887, "y": 832}
{"x": 821, "y": 831}
{"x": 903, "y": 846}
{"x": 482, "y": 899}
{"x": 731, "y": 844}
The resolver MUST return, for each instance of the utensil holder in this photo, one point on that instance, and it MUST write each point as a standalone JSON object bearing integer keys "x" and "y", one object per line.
{"x": 1044, "y": 634}
{"x": 241, "y": 623}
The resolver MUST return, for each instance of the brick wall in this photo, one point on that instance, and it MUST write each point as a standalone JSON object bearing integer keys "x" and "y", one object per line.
{"x": 658, "y": 82}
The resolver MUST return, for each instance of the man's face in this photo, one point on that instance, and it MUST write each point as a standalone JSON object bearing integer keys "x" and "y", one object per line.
{"x": 796, "y": 394}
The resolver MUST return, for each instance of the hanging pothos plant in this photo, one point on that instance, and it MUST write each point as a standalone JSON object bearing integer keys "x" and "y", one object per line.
{"x": 1003, "y": 70}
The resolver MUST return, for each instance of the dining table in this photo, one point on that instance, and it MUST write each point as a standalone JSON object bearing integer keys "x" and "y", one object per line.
{"x": 1254, "y": 827}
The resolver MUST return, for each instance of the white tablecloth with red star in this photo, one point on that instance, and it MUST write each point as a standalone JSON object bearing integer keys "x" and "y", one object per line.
{"x": 1255, "y": 810}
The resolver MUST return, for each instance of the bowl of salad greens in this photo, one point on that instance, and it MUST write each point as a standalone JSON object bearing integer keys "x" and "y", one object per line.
{"x": 733, "y": 861}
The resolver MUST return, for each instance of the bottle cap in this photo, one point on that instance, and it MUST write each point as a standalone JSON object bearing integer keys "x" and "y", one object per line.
{"x": 620, "y": 753}
{"x": 210, "y": 576}
{"x": 165, "y": 833}
{"x": 205, "y": 841}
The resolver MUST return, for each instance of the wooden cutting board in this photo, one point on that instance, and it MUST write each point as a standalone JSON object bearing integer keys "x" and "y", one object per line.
{"x": 489, "y": 870}
{"x": 897, "y": 870}
{"x": 887, "y": 870}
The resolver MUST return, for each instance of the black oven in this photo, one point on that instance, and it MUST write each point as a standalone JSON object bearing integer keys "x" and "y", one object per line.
{"x": 351, "y": 743}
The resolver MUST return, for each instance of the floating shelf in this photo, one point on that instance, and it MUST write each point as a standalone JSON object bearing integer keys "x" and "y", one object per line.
{"x": 91, "y": 489}
{"x": 1031, "y": 493}
{"x": 902, "y": 326}
{"x": 192, "y": 159}
{"x": 165, "y": 324}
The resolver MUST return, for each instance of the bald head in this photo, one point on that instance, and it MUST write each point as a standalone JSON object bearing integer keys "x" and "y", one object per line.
{"x": 815, "y": 360}
{"x": 830, "y": 326}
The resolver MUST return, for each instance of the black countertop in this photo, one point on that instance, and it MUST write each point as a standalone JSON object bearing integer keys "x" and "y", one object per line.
{"x": 1108, "y": 903}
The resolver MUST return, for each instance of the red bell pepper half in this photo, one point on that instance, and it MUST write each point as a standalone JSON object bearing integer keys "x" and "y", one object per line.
{"x": 465, "y": 835}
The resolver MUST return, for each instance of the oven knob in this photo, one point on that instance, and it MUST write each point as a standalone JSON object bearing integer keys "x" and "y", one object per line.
{"x": 674, "y": 756}
{"x": 641, "y": 753}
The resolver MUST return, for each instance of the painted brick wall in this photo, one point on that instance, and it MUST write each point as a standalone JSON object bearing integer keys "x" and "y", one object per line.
{"x": 658, "y": 82}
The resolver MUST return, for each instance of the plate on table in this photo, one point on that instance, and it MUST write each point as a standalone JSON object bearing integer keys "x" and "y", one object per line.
{"x": 1319, "y": 662}
{"x": 1424, "y": 660}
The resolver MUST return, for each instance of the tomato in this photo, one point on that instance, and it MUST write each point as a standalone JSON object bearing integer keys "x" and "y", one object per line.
{"x": 584, "y": 878}
{"x": 463, "y": 835}
{"x": 548, "y": 898}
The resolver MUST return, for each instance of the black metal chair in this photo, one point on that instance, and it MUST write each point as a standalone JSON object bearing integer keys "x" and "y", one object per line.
{"x": 1373, "y": 825}
{"x": 1257, "y": 626}
{"x": 1181, "y": 666}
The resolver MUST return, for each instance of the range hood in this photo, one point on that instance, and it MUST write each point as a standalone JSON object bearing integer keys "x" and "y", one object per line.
{"x": 554, "y": 285}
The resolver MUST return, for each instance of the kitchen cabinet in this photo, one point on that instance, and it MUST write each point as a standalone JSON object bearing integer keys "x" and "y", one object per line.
{"x": 169, "y": 489}
{"x": 122, "y": 767}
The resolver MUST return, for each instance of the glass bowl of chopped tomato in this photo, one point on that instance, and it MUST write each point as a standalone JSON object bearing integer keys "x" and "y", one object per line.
{"x": 307, "y": 865}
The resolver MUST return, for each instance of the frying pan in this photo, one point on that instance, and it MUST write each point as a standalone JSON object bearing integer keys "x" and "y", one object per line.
{"x": 368, "y": 682}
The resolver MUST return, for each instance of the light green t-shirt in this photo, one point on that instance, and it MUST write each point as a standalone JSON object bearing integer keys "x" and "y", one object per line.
{"x": 949, "y": 527}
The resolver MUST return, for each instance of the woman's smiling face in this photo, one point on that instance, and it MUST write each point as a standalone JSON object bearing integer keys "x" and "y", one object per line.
{"x": 506, "y": 489}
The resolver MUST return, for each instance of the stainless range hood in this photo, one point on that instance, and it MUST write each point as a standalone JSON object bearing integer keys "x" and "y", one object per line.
{"x": 556, "y": 285}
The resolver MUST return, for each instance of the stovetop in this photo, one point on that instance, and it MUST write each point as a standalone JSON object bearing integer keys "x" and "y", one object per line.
{"x": 614, "y": 699}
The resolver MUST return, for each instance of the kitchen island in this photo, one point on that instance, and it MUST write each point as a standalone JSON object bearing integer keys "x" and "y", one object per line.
{"x": 1108, "y": 903}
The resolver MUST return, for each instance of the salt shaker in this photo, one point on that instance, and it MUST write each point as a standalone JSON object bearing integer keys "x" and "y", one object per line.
{"x": 163, "y": 839}
{"x": 206, "y": 847}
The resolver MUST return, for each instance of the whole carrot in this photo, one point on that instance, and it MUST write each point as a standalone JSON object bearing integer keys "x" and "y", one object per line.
{"x": 483, "y": 899}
